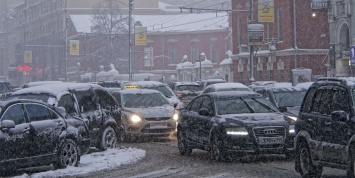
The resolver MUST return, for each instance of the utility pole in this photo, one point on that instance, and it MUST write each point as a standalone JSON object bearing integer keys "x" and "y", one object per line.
{"x": 129, "y": 40}
{"x": 251, "y": 47}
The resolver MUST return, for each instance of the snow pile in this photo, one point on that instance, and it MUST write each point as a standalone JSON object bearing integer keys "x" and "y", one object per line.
{"x": 97, "y": 161}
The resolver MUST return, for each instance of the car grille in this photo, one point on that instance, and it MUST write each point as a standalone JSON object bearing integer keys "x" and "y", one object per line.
{"x": 157, "y": 118}
{"x": 269, "y": 131}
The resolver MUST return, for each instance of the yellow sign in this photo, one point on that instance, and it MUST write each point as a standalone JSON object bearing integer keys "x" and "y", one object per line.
{"x": 28, "y": 56}
{"x": 74, "y": 47}
{"x": 265, "y": 10}
{"x": 132, "y": 86}
{"x": 140, "y": 35}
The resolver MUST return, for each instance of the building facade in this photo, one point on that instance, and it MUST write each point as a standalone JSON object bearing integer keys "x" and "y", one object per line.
{"x": 293, "y": 39}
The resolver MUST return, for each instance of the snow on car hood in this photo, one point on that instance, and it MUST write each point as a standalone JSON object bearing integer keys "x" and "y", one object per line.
{"x": 254, "y": 119}
{"x": 164, "y": 111}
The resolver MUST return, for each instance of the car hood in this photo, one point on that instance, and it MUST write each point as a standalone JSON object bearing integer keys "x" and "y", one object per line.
{"x": 164, "y": 111}
{"x": 253, "y": 120}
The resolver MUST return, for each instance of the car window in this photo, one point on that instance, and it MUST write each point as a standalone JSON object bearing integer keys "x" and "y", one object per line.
{"x": 105, "y": 99}
{"x": 67, "y": 102}
{"x": 14, "y": 113}
{"x": 209, "y": 90}
{"x": 206, "y": 104}
{"x": 288, "y": 99}
{"x": 42, "y": 97}
{"x": 308, "y": 100}
{"x": 117, "y": 96}
{"x": 195, "y": 106}
{"x": 163, "y": 89}
{"x": 37, "y": 112}
{"x": 4, "y": 88}
{"x": 86, "y": 99}
{"x": 188, "y": 87}
{"x": 341, "y": 101}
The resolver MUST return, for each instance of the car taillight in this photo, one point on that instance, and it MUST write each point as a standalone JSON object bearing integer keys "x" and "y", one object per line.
{"x": 178, "y": 94}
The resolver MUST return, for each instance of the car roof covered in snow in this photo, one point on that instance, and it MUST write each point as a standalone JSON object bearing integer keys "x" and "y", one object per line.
{"x": 285, "y": 89}
{"x": 233, "y": 94}
{"x": 144, "y": 84}
{"x": 135, "y": 91}
{"x": 186, "y": 83}
{"x": 218, "y": 86}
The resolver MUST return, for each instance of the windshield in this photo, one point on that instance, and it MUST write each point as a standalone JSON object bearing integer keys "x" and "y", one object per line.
{"x": 189, "y": 87}
{"x": 163, "y": 89}
{"x": 289, "y": 99}
{"x": 143, "y": 100}
{"x": 244, "y": 105}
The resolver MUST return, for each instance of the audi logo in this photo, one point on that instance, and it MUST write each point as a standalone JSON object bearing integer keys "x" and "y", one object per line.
{"x": 269, "y": 131}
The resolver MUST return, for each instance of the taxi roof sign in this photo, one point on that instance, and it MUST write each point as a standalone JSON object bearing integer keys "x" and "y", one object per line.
{"x": 132, "y": 87}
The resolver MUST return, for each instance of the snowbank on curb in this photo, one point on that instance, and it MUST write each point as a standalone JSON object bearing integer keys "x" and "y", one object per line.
{"x": 94, "y": 162}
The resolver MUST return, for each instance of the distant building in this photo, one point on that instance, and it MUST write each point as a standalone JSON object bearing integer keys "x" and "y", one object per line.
{"x": 295, "y": 39}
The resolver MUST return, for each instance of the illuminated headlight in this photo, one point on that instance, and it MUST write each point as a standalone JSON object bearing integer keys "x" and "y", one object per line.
{"x": 292, "y": 117}
{"x": 135, "y": 118}
{"x": 291, "y": 129}
{"x": 176, "y": 117}
{"x": 236, "y": 131}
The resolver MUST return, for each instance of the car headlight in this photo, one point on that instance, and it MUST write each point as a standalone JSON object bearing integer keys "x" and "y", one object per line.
{"x": 291, "y": 129}
{"x": 236, "y": 131}
{"x": 292, "y": 117}
{"x": 176, "y": 116}
{"x": 135, "y": 118}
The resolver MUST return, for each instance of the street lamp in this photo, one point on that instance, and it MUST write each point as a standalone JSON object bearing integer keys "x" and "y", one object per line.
{"x": 202, "y": 56}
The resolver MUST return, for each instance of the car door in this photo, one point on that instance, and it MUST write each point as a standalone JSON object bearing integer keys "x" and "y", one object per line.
{"x": 45, "y": 127}
{"x": 190, "y": 117}
{"x": 336, "y": 149}
{"x": 203, "y": 121}
{"x": 322, "y": 109}
{"x": 15, "y": 142}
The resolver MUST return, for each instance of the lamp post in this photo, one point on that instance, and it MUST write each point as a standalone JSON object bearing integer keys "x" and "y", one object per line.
{"x": 202, "y": 56}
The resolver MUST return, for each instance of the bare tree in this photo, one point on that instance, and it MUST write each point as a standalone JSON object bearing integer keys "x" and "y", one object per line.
{"x": 110, "y": 35}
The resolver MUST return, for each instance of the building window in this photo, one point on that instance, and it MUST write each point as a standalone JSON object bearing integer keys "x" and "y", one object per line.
{"x": 239, "y": 39}
{"x": 172, "y": 55}
{"x": 194, "y": 54}
{"x": 260, "y": 73}
{"x": 213, "y": 53}
{"x": 281, "y": 75}
{"x": 269, "y": 30}
{"x": 241, "y": 78}
{"x": 280, "y": 30}
{"x": 270, "y": 75}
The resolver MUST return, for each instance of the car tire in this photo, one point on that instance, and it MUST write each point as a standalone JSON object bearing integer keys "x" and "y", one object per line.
{"x": 351, "y": 165}
{"x": 68, "y": 155}
{"x": 307, "y": 169}
{"x": 184, "y": 149}
{"x": 217, "y": 151}
{"x": 108, "y": 139}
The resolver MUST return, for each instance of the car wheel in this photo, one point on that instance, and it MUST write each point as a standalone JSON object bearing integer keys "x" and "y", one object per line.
{"x": 68, "y": 155}
{"x": 108, "y": 139}
{"x": 184, "y": 149}
{"x": 351, "y": 164}
{"x": 307, "y": 169}
{"x": 217, "y": 152}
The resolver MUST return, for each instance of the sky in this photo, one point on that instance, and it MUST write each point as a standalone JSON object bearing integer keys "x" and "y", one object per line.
{"x": 94, "y": 162}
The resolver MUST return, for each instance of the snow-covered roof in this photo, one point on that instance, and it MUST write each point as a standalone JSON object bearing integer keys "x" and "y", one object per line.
{"x": 165, "y": 23}
{"x": 226, "y": 61}
{"x": 219, "y": 86}
{"x": 144, "y": 84}
{"x": 204, "y": 64}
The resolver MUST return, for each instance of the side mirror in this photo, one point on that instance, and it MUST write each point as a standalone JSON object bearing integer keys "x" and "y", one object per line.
{"x": 340, "y": 116}
{"x": 283, "y": 109}
{"x": 204, "y": 112}
{"x": 61, "y": 108}
{"x": 7, "y": 124}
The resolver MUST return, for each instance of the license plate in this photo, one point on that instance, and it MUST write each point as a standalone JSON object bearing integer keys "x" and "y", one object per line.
{"x": 270, "y": 140}
{"x": 158, "y": 125}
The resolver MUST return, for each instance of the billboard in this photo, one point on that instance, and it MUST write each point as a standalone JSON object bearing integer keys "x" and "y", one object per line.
{"x": 140, "y": 35}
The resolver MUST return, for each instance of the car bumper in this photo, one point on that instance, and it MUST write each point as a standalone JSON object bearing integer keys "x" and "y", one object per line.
{"x": 249, "y": 145}
{"x": 158, "y": 129}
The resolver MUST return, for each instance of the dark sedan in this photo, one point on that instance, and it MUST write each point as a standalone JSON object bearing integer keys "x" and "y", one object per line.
{"x": 226, "y": 123}
{"x": 34, "y": 134}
